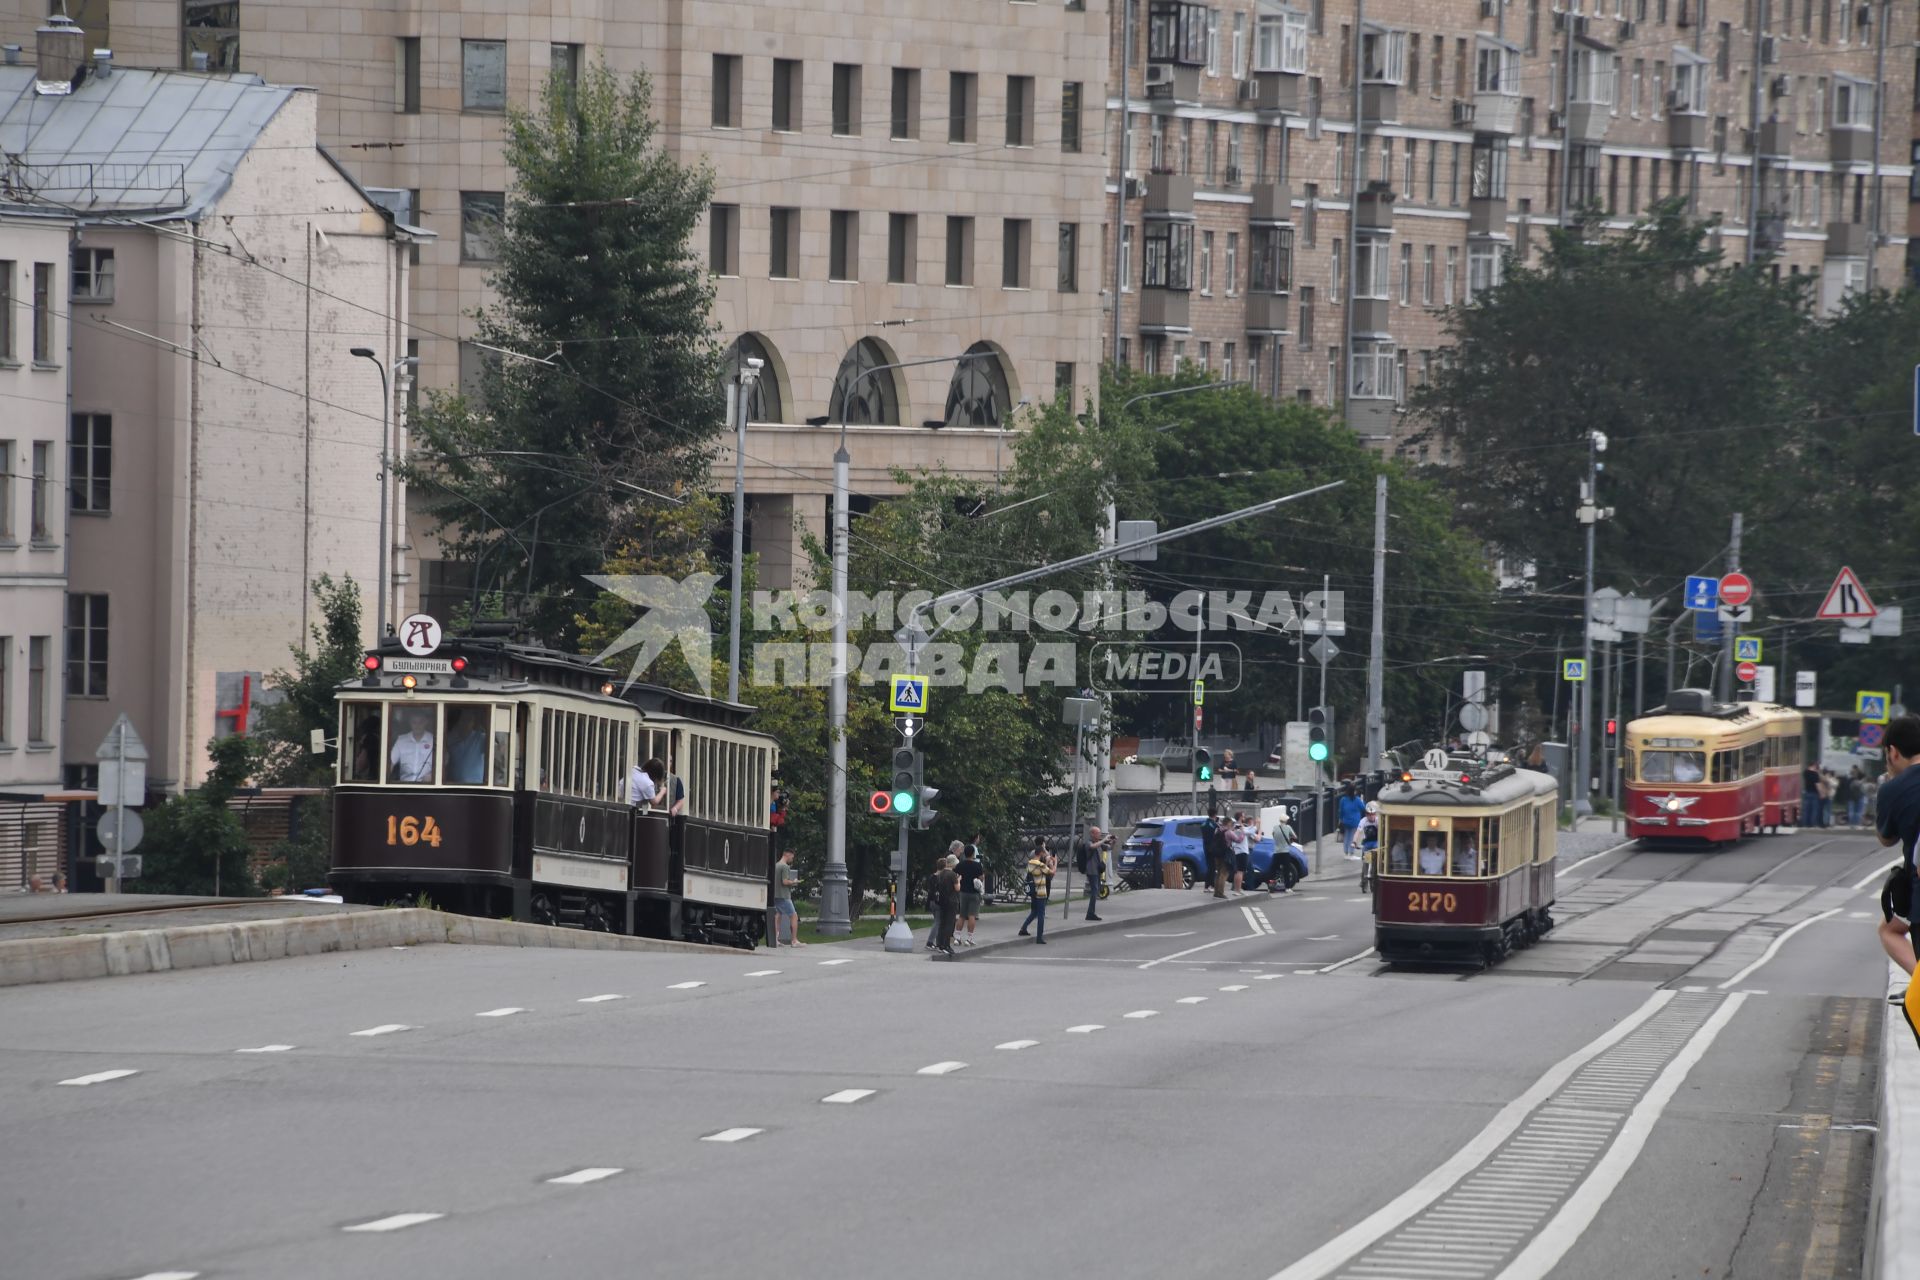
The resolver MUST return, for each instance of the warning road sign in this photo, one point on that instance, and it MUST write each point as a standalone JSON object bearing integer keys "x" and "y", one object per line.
{"x": 909, "y": 694}
{"x": 1846, "y": 598}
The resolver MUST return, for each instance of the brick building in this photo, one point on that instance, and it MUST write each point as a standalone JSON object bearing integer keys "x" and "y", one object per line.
{"x": 1252, "y": 127}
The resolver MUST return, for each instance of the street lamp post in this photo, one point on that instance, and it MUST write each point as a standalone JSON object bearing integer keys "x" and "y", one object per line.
{"x": 743, "y": 393}
{"x": 386, "y": 411}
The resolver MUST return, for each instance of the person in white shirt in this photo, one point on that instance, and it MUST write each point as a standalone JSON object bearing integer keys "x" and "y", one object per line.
{"x": 1433, "y": 855}
{"x": 640, "y": 788}
{"x": 411, "y": 759}
{"x": 1241, "y": 846}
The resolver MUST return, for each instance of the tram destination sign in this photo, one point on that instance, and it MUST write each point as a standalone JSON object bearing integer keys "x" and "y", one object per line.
{"x": 418, "y": 666}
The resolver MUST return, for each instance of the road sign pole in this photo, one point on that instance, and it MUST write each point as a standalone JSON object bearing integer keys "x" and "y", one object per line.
{"x": 1333, "y": 748}
{"x": 120, "y": 811}
{"x": 1724, "y": 677}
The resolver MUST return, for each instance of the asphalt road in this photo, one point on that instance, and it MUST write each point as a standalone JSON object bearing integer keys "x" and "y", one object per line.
{"x": 1675, "y": 1084}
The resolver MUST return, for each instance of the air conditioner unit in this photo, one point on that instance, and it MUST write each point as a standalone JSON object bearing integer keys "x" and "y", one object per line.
{"x": 1769, "y": 51}
{"x": 1626, "y": 31}
{"x": 1249, "y": 90}
{"x": 1463, "y": 113}
{"x": 1159, "y": 74}
{"x": 1782, "y": 86}
{"x": 1487, "y": 8}
{"x": 1233, "y": 175}
{"x": 1556, "y": 121}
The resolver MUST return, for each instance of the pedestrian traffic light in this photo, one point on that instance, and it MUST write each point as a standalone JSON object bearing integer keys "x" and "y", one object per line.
{"x": 1613, "y": 732}
{"x": 1203, "y": 765}
{"x": 923, "y": 812}
{"x": 1319, "y": 734}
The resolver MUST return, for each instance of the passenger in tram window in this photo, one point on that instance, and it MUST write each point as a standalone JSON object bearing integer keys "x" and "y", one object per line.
{"x": 641, "y": 784}
{"x": 467, "y": 746}
{"x": 1688, "y": 767}
{"x": 1433, "y": 854}
{"x": 366, "y": 744}
{"x": 1400, "y": 855}
{"x": 411, "y": 759}
{"x": 1466, "y": 857}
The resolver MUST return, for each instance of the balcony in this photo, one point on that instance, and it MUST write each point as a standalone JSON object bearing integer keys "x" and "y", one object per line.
{"x": 1371, "y": 417}
{"x": 1848, "y": 240}
{"x": 1587, "y": 123}
{"x": 1169, "y": 195}
{"x": 1164, "y": 311}
{"x": 1497, "y": 113}
{"x": 1371, "y": 317}
{"x": 1487, "y": 216}
{"x": 1687, "y": 132}
{"x": 1272, "y": 203}
{"x": 1267, "y": 314}
{"x": 1172, "y": 84}
{"x": 1273, "y": 93}
{"x": 1775, "y": 140}
{"x": 1380, "y": 103}
{"x": 1850, "y": 146}
{"x": 1374, "y": 211}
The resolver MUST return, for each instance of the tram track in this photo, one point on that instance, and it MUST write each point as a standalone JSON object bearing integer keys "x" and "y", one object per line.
{"x": 118, "y": 912}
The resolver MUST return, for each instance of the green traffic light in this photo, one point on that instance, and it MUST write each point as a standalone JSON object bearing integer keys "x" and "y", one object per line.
{"x": 1317, "y": 752}
{"x": 1206, "y": 773}
{"x": 903, "y": 801}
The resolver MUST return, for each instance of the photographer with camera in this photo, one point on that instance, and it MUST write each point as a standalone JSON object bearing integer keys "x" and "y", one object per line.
{"x": 1089, "y": 858}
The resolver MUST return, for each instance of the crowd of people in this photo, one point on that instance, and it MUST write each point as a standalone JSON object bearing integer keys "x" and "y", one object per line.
{"x": 1829, "y": 798}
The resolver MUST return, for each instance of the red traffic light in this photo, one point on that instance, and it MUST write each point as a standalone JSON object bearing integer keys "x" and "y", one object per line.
{"x": 880, "y": 802}
{"x": 371, "y": 662}
{"x": 1613, "y": 727}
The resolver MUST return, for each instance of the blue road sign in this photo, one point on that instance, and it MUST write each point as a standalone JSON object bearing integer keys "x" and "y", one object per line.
{"x": 1573, "y": 669}
{"x": 1706, "y": 628}
{"x": 909, "y": 694}
{"x": 1703, "y": 592}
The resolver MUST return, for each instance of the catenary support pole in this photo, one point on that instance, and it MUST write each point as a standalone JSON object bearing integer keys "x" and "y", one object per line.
{"x": 1723, "y": 678}
{"x": 1120, "y": 186}
{"x": 1583, "y": 744}
{"x": 834, "y": 906}
{"x": 1333, "y": 747}
{"x": 742, "y": 394}
{"x": 1377, "y": 643}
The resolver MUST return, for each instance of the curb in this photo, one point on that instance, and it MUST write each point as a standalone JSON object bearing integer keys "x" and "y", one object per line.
{"x": 1896, "y": 1166}
{"x": 33, "y": 960}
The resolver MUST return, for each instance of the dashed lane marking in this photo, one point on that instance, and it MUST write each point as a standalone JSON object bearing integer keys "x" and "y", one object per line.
{"x": 1016, "y": 1045}
{"x": 1238, "y": 986}
{"x": 1859, "y": 915}
{"x": 941, "y": 1069}
{"x": 685, "y": 986}
{"x": 169, "y": 1275}
{"x": 580, "y": 1177}
{"x": 1191, "y": 1000}
{"x": 1144, "y": 1013}
{"x": 849, "y": 1095}
{"x": 504, "y": 1012}
{"x": 267, "y": 1048}
{"x": 842, "y": 960}
{"x": 1187, "y": 934}
{"x": 732, "y": 1135}
{"x": 763, "y": 973}
{"x": 1085, "y": 1028}
{"x": 1773, "y": 948}
{"x": 1326, "y": 937}
{"x": 1305, "y": 973}
{"x": 599, "y": 999}
{"x": 101, "y": 1077}
{"x": 1341, "y": 964}
{"x": 384, "y": 1029}
{"x": 1269, "y": 977}
{"x": 395, "y": 1222}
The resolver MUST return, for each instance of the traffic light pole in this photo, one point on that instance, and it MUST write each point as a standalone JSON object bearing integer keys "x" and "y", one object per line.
{"x": 1320, "y": 793}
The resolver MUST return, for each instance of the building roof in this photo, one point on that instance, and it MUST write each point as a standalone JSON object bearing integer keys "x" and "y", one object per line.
{"x": 133, "y": 141}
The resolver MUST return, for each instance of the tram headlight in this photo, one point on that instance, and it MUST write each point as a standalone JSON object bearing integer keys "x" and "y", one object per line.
{"x": 408, "y": 683}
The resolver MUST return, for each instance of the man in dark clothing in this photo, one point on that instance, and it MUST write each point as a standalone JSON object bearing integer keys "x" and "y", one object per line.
{"x": 943, "y": 893}
{"x": 1090, "y": 857}
{"x": 1899, "y": 823}
{"x": 1810, "y": 796}
{"x": 1213, "y": 844}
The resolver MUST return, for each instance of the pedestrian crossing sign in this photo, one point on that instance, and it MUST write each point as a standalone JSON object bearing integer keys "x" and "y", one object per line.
{"x": 909, "y": 694}
{"x": 1746, "y": 648}
{"x": 1872, "y": 707}
{"x": 1573, "y": 669}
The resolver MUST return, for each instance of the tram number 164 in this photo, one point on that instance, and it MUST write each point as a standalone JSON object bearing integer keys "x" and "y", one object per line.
{"x": 411, "y": 831}
{"x": 1417, "y": 900}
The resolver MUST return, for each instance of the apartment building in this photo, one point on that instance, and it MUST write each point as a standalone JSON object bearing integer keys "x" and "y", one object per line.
{"x": 1285, "y": 171}
{"x": 193, "y": 440}
{"x": 896, "y": 183}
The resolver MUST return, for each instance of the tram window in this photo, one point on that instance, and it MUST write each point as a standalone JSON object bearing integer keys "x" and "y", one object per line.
{"x": 415, "y": 750}
{"x": 1431, "y": 860}
{"x": 360, "y": 742}
{"x": 1722, "y": 766}
{"x": 1490, "y": 843}
{"x": 1400, "y": 846}
{"x": 546, "y": 749}
{"x": 1626, "y": 766}
{"x": 1466, "y": 847}
{"x": 502, "y": 746}
{"x": 1675, "y": 766}
{"x": 467, "y": 745}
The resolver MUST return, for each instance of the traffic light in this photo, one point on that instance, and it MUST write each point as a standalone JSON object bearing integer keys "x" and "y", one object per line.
{"x": 1203, "y": 765}
{"x": 907, "y": 766}
{"x": 1320, "y": 734}
{"x": 923, "y": 811}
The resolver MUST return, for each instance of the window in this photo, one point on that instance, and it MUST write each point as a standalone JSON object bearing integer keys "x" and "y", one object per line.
{"x": 727, "y": 90}
{"x": 1689, "y": 84}
{"x": 1206, "y": 260}
{"x": 6, "y": 687}
{"x": 906, "y": 102}
{"x": 90, "y": 463}
{"x": 563, "y": 66}
{"x": 86, "y": 646}
{"x": 1270, "y": 254}
{"x": 1070, "y": 117}
{"x": 1177, "y": 32}
{"x": 1213, "y": 151}
{"x": 482, "y": 214}
{"x": 1239, "y": 63}
{"x": 1592, "y": 77}
{"x": 212, "y": 28}
{"x": 861, "y": 395}
{"x": 1372, "y": 267}
{"x": 1306, "y": 317}
{"x": 1433, "y": 167}
{"x": 1374, "y": 369}
{"x": 1062, "y": 378}
{"x": 1489, "y": 178}
{"x": 41, "y": 497}
{"x": 1852, "y": 103}
{"x": 1213, "y": 42}
{"x": 1406, "y": 274}
{"x": 1126, "y": 258}
{"x": 903, "y": 248}
{"x": 6, "y": 491}
{"x": 1169, "y": 255}
{"x": 1016, "y": 244}
{"x": 406, "y": 59}
{"x": 723, "y": 239}
{"x": 1280, "y": 42}
{"x": 1413, "y": 64}
{"x": 1232, "y": 276}
{"x": 1339, "y": 266}
{"x": 1206, "y": 357}
{"x": 1019, "y": 111}
{"x": 846, "y": 100}
{"x": 1585, "y": 174}
{"x": 789, "y": 82}
{"x": 1339, "y": 164}
{"x": 843, "y": 245}
{"x": 978, "y": 394}
{"x": 476, "y": 365}
{"x": 783, "y": 243}
{"x": 37, "y": 656}
{"x": 43, "y": 313}
{"x": 1723, "y": 61}
{"x": 1233, "y": 154}
{"x": 1453, "y": 273}
{"x": 1453, "y": 178}
{"x": 1639, "y": 73}
{"x": 1226, "y": 362}
{"x": 961, "y": 94}
{"x": 1068, "y": 280}
{"x": 1485, "y": 269}
{"x": 960, "y": 251}
{"x": 1426, "y": 276}
{"x": 1497, "y": 69}
{"x": 7, "y": 269}
{"x": 1460, "y": 67}
{"x": 483, "y": 75}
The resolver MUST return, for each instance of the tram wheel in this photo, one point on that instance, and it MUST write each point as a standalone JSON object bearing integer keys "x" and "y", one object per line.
{"x": 543, "y": 910}
{"x": 596, "y": 921}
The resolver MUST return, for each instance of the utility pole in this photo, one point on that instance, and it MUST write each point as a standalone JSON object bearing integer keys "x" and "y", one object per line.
{"x": 742, "y": 394}
{"x": 1606, "y": 705}
{"x": 1353, "y": 201}
{"x": 1333, "y": 746}
{"x": 1103, "y": 768}
{"x": 835, "y": 917}
{"x": 1377, "y": 645}
{"x": 1590, "y": 514}
{"x": 1723, "y": 678}
{"x": 1566, "y": 174}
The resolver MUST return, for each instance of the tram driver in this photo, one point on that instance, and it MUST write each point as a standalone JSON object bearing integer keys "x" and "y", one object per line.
{"x": 1433, "y": 854}
{"x": 1689, "y": 766}
{"x": 411, "y": 759}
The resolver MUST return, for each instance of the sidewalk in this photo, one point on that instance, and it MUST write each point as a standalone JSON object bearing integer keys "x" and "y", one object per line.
{"x": 1896, "y": 1174}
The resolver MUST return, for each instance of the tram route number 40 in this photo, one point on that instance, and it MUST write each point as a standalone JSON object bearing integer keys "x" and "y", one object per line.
{"x": 410, "y": 830}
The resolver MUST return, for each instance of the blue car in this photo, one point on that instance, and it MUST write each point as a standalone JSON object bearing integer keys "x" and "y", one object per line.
{"x": 1156, "y": 842}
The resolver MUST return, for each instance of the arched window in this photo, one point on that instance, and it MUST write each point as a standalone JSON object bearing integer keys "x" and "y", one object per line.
{"x": 873, "y": 399}
{"x": 977, "y": 396}
{"x": 764, "y": 405}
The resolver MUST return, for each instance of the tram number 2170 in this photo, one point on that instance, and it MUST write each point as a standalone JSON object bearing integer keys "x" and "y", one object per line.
{"x": 410, "y": 830}
{"x": 1417, "y": 900}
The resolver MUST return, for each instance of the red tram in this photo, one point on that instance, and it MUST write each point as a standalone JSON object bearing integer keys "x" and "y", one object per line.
{"x": 1700, "y": 770}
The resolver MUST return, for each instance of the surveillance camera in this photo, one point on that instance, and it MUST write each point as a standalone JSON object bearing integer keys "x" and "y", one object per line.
{"x": 755, "y": 363}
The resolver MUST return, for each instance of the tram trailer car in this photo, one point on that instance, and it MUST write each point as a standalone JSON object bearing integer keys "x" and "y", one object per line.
{"x": 1699, "y": 771}
{"x": 491, "y": 778}
{"x": 1466, "y": 863}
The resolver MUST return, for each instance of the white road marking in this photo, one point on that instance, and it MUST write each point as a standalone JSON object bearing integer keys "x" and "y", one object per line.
{"x": 1305, "y": 973}
{"x": 732, "y": 1135}
{"x": 1017, "y": 1044}
{"x": 1773, "y": 948}
{"x": 1876, "y": 875}
{"x": 941, "y": 1069}
{"x": 1144, "y": 1013}
{"x": 599, "y": 999}
{"x": 1085, "y": 1028}
{"x": 1853, "y": 1128}
{"x": 504, "y": 1012}
{"x": 1341, "y": 964}
{"x": 1859, "y": 915}
{"x": 1365, "y": 897}
{"x": 1381, "y": 1223}
{"x": 1544, "y": 1252}
{"x": 267, "y": 1048}
{"x": 1185, "y": 934}
{"x": 1238, "y": 986}
{"x": 1589, "y": 858}
{"x": 1191, "y": 1000}
{"x": 1326, "y": 937}
{"x": 384, "y": 1029}
{"x": 1693, "y": 990}
{"x": 101, "y": 1077}
{"x": 763, "y": 973}
{"x": 849, "y": 1095}
{"x": 169, "y": 1275}
{"x": 842, "y": 960}
{"x": 1206, "y": 946}
{"x": 580, "y": 1177}
{"x": 685, "y": 986}
{"x": 1269, "y": 977}
{"x": 395, "y": 1222}
{"x": 1257, "y": 921}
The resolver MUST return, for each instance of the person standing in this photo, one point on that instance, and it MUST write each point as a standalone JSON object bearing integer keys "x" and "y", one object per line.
{"x": 1213, "y": 847}
{"x": 784, "y": 879}
{"x": 1810, "y": 796}
{"x": 1843, "y": 798}
{"x": 1242, "y": 848}
{"x": 944, "y": 895}
{"x": 1352, "y": 810}
{"x": 1856, "y": 797}
{"x": 1899, "y": 823}
{"x": 1039, "y": 877}
{"x": 1092, "y": 860}
{"x": 973, "y": 876}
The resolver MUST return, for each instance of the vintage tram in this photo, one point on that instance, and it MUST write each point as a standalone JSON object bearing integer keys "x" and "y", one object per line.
{"x": 1465, "y": 865}
{"x": 492, "y": 778}
{"x": 1696, "y": 770}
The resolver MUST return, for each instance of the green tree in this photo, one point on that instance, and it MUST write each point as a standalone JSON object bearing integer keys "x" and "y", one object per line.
{"x": 194, "y": 843}
{"x": 614, "y": 391}
{"x": 307, "y": 691}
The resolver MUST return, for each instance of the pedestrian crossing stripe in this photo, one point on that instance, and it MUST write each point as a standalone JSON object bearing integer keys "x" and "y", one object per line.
{"x": 909, "y": 694}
